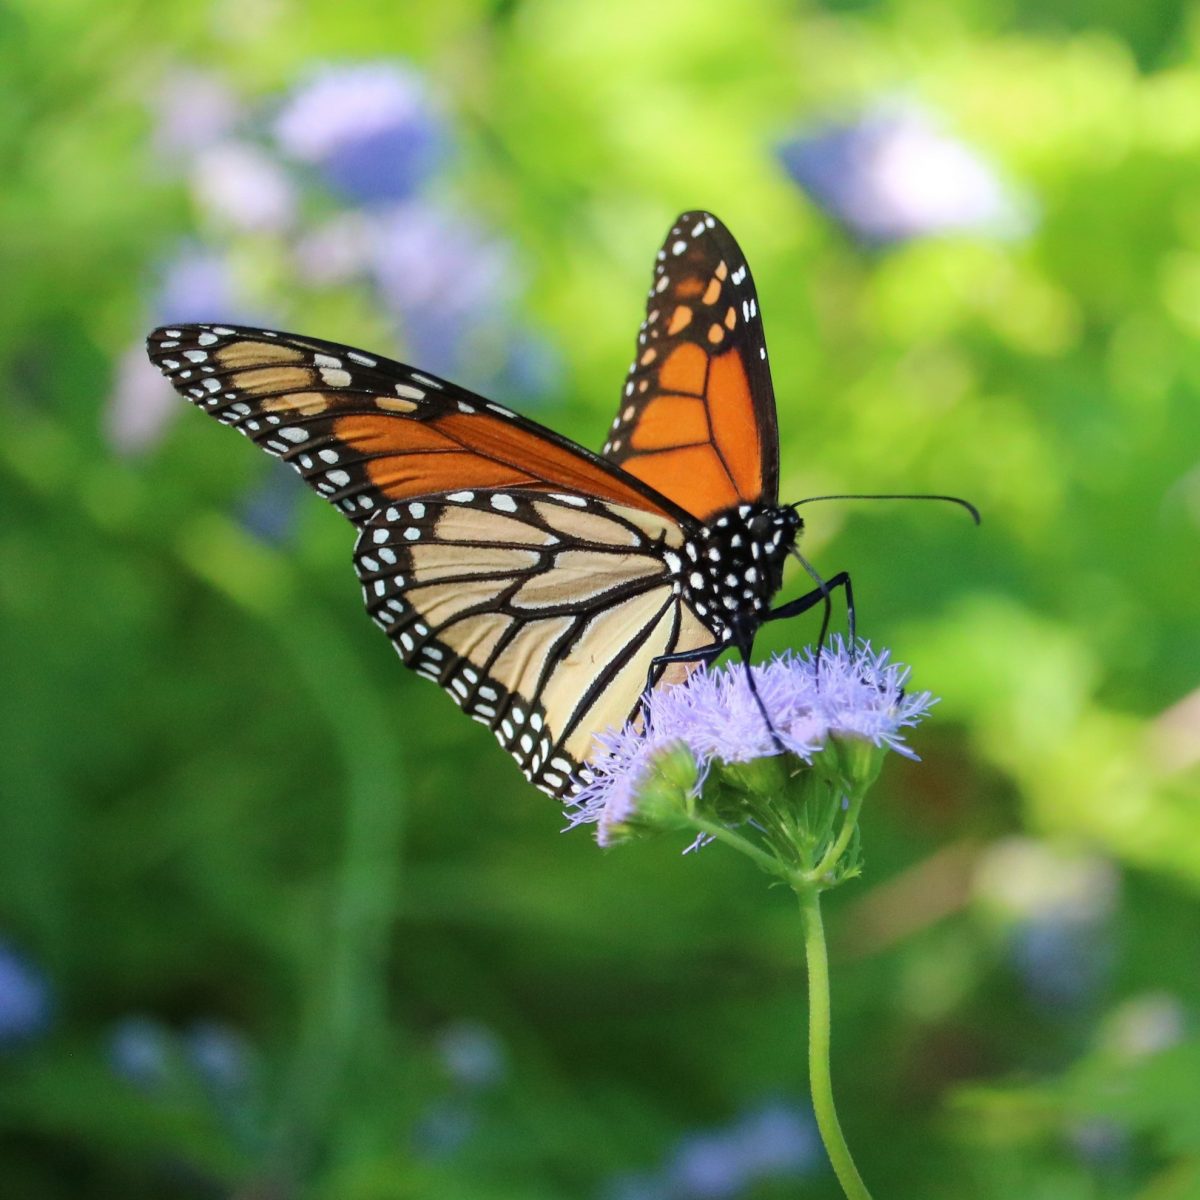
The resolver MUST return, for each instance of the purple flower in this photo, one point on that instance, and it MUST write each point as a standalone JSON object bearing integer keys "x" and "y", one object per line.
{"x": 195, "y": 108}
{"x": 268, "y": 508}
{"x": 771, "y": 1142}
{"x": 707, "y": 1166}
{"x": 444, "y": 1129}
{"x": 1057, "y": 905}
{"x": 531, "y": 370}
{"x": 197, "y": 284}
{"x": 371, "y": 129}
{"x": 336, "y": 251}
{"x": 141, "y": 405}
{"x": 892, "y": 174}
{"x": 25, "y": 1000}
{"x": 142, "y": 1051}
{"x": 221, "y": 1056}
{"x": 447, "y": 280}
{"x": 854, "y": 696}
{"x": 472, "y": 1054}
{"x": 778, "y": 1139}
{"x": 243, "y": 188}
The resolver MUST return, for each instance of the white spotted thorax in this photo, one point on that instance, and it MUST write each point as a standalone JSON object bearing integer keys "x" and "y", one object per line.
{"x": 733, "y": 566}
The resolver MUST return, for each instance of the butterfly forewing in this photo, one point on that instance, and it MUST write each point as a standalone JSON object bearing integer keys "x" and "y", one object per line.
{"x": 697, "y": 417}
{"x": 364, "y": 430}
{"x": 540, "y": 614}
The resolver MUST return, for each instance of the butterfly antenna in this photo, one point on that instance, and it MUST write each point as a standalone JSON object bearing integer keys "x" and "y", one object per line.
{"x": 895, "y": 496}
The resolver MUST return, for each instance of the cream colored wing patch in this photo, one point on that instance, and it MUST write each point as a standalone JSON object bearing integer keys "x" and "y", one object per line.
{"x": 539, "y": 614}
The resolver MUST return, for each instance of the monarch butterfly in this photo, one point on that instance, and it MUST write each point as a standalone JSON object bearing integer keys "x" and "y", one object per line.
{"x": 544, "y": 587}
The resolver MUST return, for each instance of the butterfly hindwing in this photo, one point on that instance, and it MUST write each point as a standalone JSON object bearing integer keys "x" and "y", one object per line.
{"x": 539, "y": 613}
{"x": 364, "y": 431}
{"x": 697, "y": 417}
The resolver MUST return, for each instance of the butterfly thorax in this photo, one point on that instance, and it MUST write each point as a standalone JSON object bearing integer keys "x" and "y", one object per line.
{"x": 733, "y": 566}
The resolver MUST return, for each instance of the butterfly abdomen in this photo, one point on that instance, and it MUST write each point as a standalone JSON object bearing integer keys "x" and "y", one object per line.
{"x": 732, "y": 567}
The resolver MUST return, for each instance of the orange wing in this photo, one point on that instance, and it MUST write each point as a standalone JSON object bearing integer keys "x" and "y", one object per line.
{"x": 697, "y": 420}
{"x": 365, "y": 431}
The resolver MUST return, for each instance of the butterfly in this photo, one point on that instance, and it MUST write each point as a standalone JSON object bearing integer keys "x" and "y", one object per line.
{"x": 543, "y": 586}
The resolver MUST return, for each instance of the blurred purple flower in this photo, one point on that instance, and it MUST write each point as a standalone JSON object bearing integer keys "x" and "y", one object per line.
{"x": 444, "y": 1129}
{"x": 1057, "y": 906}
{"x": 706, "y": 1166}
{"x": 633, "y": 1186}
{"x": 775, "y": 1141}
{"x": 141, "y": 404}
{"x": 336, "y": 251}
{"x": 371, "y": 129}
{"x": 221, "y": 1056}
{"x": 778, "y": 1139}
{"x": 242, "y": 187}
{"x": 472, "y": 1054}
{"x": 194, "y": 108}
{"x": 444, "y": 277}
{"x": 1100, "y": 1144}
{"x": 1145, "y": 1024}
{"x": 891, "y": 174}
{"x": 531, "y": 370}
{"x": 196, "y": 284}
{"x": 714, "y": 714}
{"x": 141, "y": 1051}
{"x": 268, "y": 508}
{"x": 25, "y": 999}
{"x": 1062, "y": 962}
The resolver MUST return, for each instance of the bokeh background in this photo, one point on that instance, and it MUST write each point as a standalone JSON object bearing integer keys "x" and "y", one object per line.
{"x": 275, "y": 922}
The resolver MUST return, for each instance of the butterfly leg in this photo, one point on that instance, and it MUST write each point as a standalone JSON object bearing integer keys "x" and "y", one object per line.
{"x": 704, "y": 655}
{"x": 820, "y": 595}
{"x": 708, "y": 654}
{"x": 745, "y": 649}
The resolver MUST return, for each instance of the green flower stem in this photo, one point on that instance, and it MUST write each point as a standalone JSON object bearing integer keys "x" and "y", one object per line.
{"x": 818, "y": 1047}
{"x": 834, "y": 854}
{"x": 720, "y": 833}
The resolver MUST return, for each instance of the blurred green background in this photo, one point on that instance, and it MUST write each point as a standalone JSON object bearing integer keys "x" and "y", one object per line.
{"x": 275, "y": 923}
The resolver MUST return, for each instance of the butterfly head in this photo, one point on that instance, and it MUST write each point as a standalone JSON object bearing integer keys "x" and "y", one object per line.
{"x": 735, "y": 563}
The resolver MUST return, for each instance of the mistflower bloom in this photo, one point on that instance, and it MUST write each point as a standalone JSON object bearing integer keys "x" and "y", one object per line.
{"x": 785, "y": 789}
{"x": 854, "y": 696}
{"x": 891, "y": 174}
{"x": 372, "y": 130}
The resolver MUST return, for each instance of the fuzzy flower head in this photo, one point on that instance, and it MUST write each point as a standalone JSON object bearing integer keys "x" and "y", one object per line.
{"x": 891, "y": 174}
{"x": 372, "y": 129}
{"x": 707, "y": 735}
